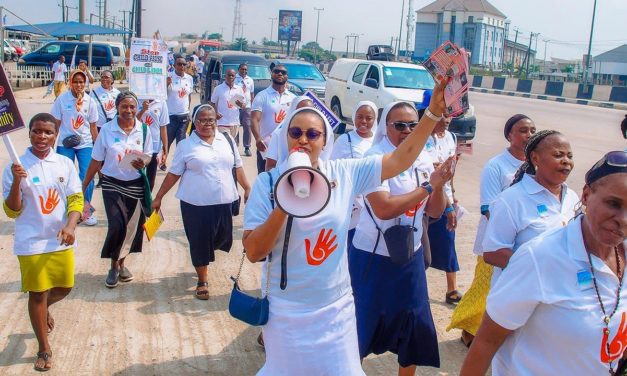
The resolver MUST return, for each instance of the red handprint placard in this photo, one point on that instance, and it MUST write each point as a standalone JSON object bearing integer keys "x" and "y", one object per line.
{"x": 325, "y": 245}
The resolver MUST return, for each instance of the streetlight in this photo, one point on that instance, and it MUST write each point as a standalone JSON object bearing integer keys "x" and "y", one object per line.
{"x": 317, "y": 27}
{"x": 272, "y": 26}
{"x": 400, "y": 31}
{"x": 588, "y": 57}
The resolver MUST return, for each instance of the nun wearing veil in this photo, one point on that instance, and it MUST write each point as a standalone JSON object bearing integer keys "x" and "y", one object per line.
{"x": 311, "y": 328}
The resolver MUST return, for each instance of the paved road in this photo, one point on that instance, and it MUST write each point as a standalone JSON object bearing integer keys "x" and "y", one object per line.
{"x": 154, "y": 326}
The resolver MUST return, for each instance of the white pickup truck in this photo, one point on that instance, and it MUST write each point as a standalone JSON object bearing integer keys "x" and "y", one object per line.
{"x": 382, "y": 82}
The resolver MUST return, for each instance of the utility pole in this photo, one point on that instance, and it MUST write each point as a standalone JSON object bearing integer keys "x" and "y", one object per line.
{"x": 400, "y": 31}
{"x": 544, "y": 67}
{"x": 317, "y": 27}
{"x": 348, "y": 36}
{"x": 526, "y": 61}
{"x": 272, "y": 19}
{"x": 124, "y": 24}
{"x": 62, "y": 10}
{"x": 514, "y": 50}
{"x": 588, "y": 57}
{"x": 81, "y": 14}
{"x": 331, "y": 49}
{"x": 138, "y": 18}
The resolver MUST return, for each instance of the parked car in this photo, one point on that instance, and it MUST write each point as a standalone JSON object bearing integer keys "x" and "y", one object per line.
{"x": 218, "y": 62}
{"x": 302, "y": 76}
{"x": 119, "y": 51}
{"x": 102, "y": 55}
{"x": 380, "y": 52}
{"x": 351, "y": 81}
{"x": 9, "y": 51}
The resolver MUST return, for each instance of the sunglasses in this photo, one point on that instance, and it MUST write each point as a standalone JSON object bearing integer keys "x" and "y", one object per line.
{"x": 616, "y": 159}
{"x": 311, "y": 134}
{"x": 181, "y": 63}
{"x": 280, "y": 71}
{"x": 401, "y": 125}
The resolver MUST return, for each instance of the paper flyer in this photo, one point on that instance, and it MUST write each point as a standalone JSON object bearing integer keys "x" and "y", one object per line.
{"x": 451, "y": 61}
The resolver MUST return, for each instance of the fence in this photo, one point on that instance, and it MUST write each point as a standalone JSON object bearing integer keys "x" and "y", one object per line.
{"x": 18, "y": 75}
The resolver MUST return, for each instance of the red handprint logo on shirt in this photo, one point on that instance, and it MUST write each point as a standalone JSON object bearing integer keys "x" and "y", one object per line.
{"x": 78, "y": 122}
{"x": 412, "y": 212}
{"x": 278, "y": 118}
{"x": 229, "y": 104}
{"x": 51, "y": 202}
{"x": 614, "y": 350}
{"x": 182, "y": 93}
{"x": 108, "y": 105}
{"x": 149, "y": 120}
{"x": 323, "y": 248}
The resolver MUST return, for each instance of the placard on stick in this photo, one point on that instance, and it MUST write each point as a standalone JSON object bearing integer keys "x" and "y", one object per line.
{"x": 10, "y": 118}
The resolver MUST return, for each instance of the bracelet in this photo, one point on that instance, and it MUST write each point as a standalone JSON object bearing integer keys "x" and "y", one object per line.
{"x": 431, "y": 116}
{"x": 449, "y": 209}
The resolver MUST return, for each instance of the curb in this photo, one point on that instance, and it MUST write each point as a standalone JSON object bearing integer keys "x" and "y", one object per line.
{"x": 618, "y": 106}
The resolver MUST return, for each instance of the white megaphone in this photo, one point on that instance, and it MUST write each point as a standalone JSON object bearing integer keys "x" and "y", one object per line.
{"x": 302, "y": 191}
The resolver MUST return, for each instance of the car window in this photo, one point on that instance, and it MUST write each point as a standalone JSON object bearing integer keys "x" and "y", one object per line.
{"x": 81, "y": 50}
{"x": 68, "y": 49}
{"x": 358, "y": 76}
{"x": 116, "y": 51}
{"x": 99, "y": 51}
{"x": 407, "y": 78}
{"x": 373, "y": 73}
{"x": 303, "y": 72}
{"x": 256, "y": 72}
{"x": 52, "y": 49}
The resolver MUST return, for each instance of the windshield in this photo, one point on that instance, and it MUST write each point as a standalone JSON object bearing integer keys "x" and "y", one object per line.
{"x": 256, "y": 72}
{"x": 303, "y": 72}
{"x": 407, "y": 78}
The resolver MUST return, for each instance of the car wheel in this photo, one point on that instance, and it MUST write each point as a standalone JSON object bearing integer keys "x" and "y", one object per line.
{"x": 336, "y": 108}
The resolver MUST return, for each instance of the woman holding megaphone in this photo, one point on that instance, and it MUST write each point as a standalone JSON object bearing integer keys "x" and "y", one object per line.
{"x": 311, "y": 327}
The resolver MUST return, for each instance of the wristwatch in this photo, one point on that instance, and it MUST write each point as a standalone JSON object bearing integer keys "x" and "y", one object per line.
{"x": 427, "y": 186}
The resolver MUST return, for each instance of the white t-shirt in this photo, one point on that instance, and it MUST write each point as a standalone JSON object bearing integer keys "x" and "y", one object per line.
{"x": 440, "y": 150}
{"x": 546, "y": 296}
{"x": 317, "y": 270}
{"x": 155, "y": 117}
{"x": 107, "y": 98}
{"x": 59, "y": 70}
{"x": 44, "y": 202}
{"x": 178, "y": 93}
{"x": 366, "y": 232}
{"x": 75, "y": 122}
{"x": 248, "y": 87}
{"x": 222, "y": 96}
{"x": 355, "y": 148}
{"x": 343, "y": 149}
{"x": 524, "y": 211}
{"x": 272, "y": 152}
{"x": 496, "y": 176}
{"x": 209, "y": 166}
{"x": 113, "y": 143}
{"x": 273, "y": 107}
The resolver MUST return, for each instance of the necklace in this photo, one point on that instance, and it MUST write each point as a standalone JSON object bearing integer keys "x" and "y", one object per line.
{"x": 606, "y": 318}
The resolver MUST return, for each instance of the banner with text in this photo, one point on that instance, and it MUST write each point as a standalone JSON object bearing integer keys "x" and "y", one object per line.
{"x": 320, "y": 106}
{"x": 148, "y": 68}
{"x": 10, "y": 118}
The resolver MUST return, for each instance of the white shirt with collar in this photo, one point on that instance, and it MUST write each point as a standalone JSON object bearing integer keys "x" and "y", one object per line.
{"x": 496, "y": 176}
{"x": 248, "y": 87}
{"x": 273, "y": 107}
{"x": 547, "y": 297}
{"x": 222, "y": 96}
{"x": 59, "y": 70}
{"x": 200, "y": 164}
{"x": 75, "y": 122}
{"x": 113, "y": 143}
{"x": 524, "y": 211}
{"x": 366, "y": 232}
{"x": 106, "y": 104}
{"x": 178, "y": 93}
{"x": 440, "y": 149}
{"x": 44, "y": 202}
{"x": 155, "y": 117}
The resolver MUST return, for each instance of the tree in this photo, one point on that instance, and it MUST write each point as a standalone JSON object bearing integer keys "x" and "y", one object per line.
{"x": 568, "y": 69}
{"x": 240, "y": 44}
{"x": 216, "y": 36}
{"x": 267, "y": 42}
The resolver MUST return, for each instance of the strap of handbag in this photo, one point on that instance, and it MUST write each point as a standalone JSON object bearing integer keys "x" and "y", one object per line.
{"x": 233, "y": 170}
{"x": 142, "y": 172}
{"x": 380, "y": 232}
{"x": 350, "y": 144}
{"x": 101, "y": 106}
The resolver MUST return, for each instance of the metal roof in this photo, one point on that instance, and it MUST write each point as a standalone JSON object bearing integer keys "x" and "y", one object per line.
{"x": 462, "y": 5}
{"x": 62, "y": 29}
{"x": 617, "y": 55}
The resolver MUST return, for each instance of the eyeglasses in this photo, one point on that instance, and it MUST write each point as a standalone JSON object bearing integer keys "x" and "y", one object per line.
{"x": 206, "y": 122}
{"x": 311, "y": 134}
{"x": 280, "y": 71}
{"x": 616, "y": 158}
{"x": 401, "y": 125}
{"x": 181, "y": 63}
{"x": 230, "y": 75}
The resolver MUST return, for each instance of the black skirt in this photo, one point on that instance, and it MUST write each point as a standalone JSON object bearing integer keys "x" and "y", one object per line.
{"x": 123, "y": 205}
{"x": 207, "y": 228}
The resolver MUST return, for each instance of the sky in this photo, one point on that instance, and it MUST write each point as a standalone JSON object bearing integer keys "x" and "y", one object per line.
{"x": 564, "y": 23}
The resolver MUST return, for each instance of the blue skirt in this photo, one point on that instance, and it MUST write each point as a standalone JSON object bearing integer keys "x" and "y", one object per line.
{"x": 392, "y": 308}
{"x": 443, "y": 254}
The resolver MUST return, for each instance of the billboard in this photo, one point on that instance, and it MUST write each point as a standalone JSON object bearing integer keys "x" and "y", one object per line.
{"x": 290, "y": 25}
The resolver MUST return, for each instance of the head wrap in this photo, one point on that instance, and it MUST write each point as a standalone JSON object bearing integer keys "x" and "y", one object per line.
{"x": 79, "y": 96}
{"x": 527, "y": 167}
{"x": 604, "y": 167}
{"x": 382, "y": 131}
{"x": 509, "y": 124}
{"x": 373, "y": 107}
{"x": 197, "y": 110}
{"x": 283, "y": 152}
{"x": 125, "y": 95}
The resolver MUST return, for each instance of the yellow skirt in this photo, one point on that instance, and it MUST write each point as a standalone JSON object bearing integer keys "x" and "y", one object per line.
{"x": 469, "y": 312}
{"x": 47, "y": 270}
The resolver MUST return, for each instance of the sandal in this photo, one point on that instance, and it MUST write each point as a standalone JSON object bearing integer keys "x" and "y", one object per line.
{"x": 453, "y": 297}
{"x": 202, "y": 291}
{"x": 466, "y": 338}
{"x": 47, "y": 364}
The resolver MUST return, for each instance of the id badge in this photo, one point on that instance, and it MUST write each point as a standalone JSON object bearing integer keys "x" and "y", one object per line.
{"x": 584, "y": 279}
{"x": 36, "y": 180}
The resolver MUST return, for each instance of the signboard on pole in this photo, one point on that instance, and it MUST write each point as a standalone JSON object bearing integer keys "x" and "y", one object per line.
{"x": 10, "y": 118}
{"x": 320, "y": 106}
{"x": 148, "y": 68}
{"x": 290, "y": 25}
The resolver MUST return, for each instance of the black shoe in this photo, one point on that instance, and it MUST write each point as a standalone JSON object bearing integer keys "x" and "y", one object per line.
{"x": 112, "y": 278}
{"x": 247, "y": 152}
